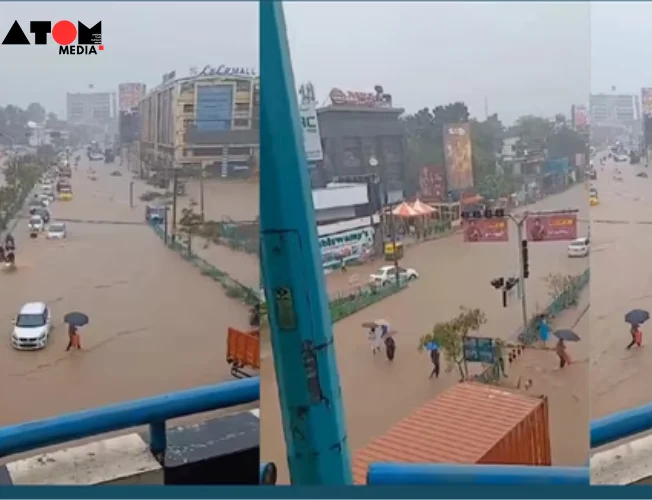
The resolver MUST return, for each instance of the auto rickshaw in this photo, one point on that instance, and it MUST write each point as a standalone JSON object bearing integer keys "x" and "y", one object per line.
{"x": 594, "y": 201}
{"x": 393, "y": 250}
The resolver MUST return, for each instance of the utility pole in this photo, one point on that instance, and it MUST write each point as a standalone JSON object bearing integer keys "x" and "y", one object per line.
{"x": 201, "y": 194}
{"x": 175, "y": 183}
{"x": 520, "y": 223}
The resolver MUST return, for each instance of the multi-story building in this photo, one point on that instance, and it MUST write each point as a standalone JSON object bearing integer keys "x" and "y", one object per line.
{"x": 208, "y": 121}
{"x": 362, "y": 135}
{"x": 96, "y": 111}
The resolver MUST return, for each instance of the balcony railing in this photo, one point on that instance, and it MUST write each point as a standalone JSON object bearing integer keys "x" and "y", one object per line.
{"x": 154, "y": 411}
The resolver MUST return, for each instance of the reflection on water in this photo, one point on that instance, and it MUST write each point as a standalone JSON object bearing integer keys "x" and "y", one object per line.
{"x": 156, "y": 324}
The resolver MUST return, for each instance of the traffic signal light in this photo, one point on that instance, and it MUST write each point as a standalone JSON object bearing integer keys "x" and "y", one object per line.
{"x": 498, "y": 283}
{"x": 510, "y": 283}
{"x": 526, "y": 259}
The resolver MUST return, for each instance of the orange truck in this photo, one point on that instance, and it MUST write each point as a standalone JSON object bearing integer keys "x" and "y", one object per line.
{"x": 470, "y": 423}
{"x": 243, "y": 352}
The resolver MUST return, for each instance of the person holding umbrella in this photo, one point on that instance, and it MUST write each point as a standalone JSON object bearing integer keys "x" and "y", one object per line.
{"x": 74, "y": 320}
{"x": 560, "y": 349}
{"x": 635, "y": 318}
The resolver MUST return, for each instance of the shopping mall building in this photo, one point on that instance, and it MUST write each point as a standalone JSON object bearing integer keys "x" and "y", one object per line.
{"x": 208, "y": 121}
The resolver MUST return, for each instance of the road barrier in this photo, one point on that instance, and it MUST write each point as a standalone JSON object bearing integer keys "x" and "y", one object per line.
{"x": 364, "y": 296}
{"x": 232, "y": 287}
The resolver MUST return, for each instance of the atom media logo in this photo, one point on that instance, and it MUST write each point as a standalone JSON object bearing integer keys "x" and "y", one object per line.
{"x": 64, "y": 33}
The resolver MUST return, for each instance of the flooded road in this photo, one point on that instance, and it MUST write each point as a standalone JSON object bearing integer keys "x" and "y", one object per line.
{"x": 452, "y": 274}
{"x": 156, "y": 324}
{"x": 620, "y": 281}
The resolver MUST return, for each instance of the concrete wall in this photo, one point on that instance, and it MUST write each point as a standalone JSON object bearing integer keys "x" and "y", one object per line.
{"x": 624, "y": 464}
{"x": 222, "y": 450}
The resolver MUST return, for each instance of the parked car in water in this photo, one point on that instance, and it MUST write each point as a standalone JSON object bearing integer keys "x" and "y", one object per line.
{"x": 580, "y": 247}
{"x": 386, "y": 274}
{"x": 57, "y": 231}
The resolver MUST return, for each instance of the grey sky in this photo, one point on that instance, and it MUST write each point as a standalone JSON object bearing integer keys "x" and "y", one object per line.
{"x": 526, "y": 58}
{"x": 142, "y": 41}
{"x": 620, "y": 47}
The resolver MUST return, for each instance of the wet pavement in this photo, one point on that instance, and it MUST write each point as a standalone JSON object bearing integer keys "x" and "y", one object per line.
{"x": 156, "y": 325}
{"x": 620, "y": 281}
{"x": 378, "y": 394}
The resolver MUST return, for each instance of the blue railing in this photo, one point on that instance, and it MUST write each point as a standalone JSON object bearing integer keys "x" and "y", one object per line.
{"x": 154, "y": 411}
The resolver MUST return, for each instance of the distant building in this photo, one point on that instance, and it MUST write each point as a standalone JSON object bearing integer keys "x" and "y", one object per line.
{"x": 362, "y": 134}
{"x": 613, "y": 109}
{"x": 209, "y": 121}
{"x": 92, "y": 108}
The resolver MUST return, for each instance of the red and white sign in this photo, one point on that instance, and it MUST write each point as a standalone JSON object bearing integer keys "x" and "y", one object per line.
{"x": 551, "y": 227}
{"x": 130, "y": 95}
{"x": 493, "y": 230}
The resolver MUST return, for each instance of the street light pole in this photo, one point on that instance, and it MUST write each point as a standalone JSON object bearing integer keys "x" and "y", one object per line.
{"x": 520, "y": 222}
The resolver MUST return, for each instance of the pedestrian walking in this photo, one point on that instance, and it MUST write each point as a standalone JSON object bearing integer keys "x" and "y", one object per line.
{"x": 637, "y": 336}
{"x": 74, "y": 341}
{"x": 560, "y": 349}
{"x": 435, "y": 359}
{"x": 544, "y": 330}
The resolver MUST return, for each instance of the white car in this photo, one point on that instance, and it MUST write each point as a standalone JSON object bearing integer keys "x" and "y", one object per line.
{"x": 386, "y": 274}
{"x": 32, "y": 327}
{"x": 57, "y": 231}
{"x": 581, "y": 247}
{"x": 36, "y": 223}
{"x": 621, "y": 158}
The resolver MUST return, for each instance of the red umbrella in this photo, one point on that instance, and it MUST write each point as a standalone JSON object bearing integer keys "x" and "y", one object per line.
{"x": 405, "y": 210}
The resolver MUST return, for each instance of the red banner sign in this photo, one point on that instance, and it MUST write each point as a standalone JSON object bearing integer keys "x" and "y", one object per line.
{"x": 552, "y": 227}
{"x": 486, "y": 230}
{"x": 432, "y": 183}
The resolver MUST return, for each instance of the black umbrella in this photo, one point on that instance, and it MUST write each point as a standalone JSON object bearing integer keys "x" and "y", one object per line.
{"x": 567, "y": 335}
{"x": 637, "y": 317}
{"x": 76, "y": 319}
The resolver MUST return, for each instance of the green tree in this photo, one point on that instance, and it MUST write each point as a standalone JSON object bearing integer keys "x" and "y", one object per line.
{"x": 533, "y": 132}
{"x": 451, "y": 335}
{"x": 35, "y": 113}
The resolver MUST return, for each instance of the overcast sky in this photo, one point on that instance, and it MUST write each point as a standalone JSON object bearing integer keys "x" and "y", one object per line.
{"x": 142, "y": 41}
{"x": 525, "y": 58}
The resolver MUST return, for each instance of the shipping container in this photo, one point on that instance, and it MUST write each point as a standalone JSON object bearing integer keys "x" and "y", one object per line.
{"x": 470, "y": 423}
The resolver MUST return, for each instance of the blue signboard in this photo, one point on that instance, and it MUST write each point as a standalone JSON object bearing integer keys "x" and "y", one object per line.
{"x": 556, "y": 166}
{"x": 479, "y": 350}
{"x": 214, "y": 107}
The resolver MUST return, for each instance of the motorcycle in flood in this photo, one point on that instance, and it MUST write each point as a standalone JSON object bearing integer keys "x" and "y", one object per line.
{"x": 390, "y": 348}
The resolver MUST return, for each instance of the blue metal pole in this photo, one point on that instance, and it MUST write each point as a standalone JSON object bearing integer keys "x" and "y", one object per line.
{"x": 301, "y": 330}
{"x": 61, "y": 429}
{"x": 620, "y": 425}
{"x": 385, "y": 474}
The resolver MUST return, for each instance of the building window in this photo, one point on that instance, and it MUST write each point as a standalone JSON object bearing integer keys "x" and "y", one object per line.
{"x": 187, "y": 152}
{"x": 188, "y": 108}
{"x": 188, "y": 124}
{"x": 239, "y": 151}
{"x": 241, "y": 123}
{"x": 391, "y": 149}
{"x": 243, "y": 86}
{"x": 208, "y": 152}
{"x": 242, "y": 107}
{"x": 352, "y": 152}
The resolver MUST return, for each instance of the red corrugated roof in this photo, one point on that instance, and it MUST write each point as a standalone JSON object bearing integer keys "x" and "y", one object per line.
{"x": 459, "y": 426}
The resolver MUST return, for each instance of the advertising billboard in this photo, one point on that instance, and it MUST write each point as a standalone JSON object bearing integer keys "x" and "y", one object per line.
{"x": 580, "y": 117}
{"x": 457, "y": 150}
{"x": 130, "y": 95}
{"x": 214, "y": 108}
{"x": 485, "y": 230}
{"x": 551, "y": 227}
{"x": 646, "y": 100}
{"x": 310, "y": 126}
{"x": 432, "y": 183}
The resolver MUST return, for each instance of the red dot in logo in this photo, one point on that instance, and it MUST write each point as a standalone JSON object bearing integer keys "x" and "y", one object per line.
{"x": 64, "y": 32}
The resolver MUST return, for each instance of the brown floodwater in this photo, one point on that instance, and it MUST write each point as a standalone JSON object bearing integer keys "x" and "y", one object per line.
{"x": 378, "y": 394}
{"x": 619, "y": 282}
{"x": 156, "y": 325}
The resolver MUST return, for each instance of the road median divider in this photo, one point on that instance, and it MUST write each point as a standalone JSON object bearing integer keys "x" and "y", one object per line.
{"x": 525, "y": 338}
{"x": 232, "y": 287}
